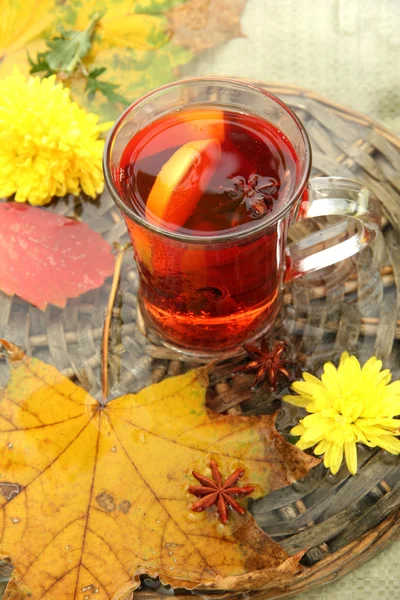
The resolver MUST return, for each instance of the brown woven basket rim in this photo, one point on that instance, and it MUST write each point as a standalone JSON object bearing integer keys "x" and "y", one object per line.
{"x": 387, "y": 531}
{"x": 377, "y": 538}
{"x": 346, "y": 112}
{"x": 344, "y": 560}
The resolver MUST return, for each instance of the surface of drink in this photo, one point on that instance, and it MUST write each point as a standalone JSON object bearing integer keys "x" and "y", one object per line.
{"x": 212, "y": 175}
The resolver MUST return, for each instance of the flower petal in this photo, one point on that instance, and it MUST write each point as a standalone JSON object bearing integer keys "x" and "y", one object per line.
{"x": 348, "y": 405}
{"x": 350, "y": 449}
{"x": 330, "y": 379}
{"x": 336, "y": 458}
{"x": 321, "y": 448}
{"x": 393, "y": 388}
{"x": 298, "y": 430}
{"x": 305, "y": 388}
{"x": 389, "y": 443}
{"x": 49, "y": 145}
{"x": 301, "y": 401}
{"x": 309, "y": 378}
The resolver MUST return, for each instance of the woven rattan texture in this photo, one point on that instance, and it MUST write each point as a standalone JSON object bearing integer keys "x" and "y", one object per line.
{"x": 355, "y": 306}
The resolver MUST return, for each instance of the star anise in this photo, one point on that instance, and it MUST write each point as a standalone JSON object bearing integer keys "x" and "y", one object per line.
{"x": 267, "y": 364}
{"x": 256, "y": 197}
{"x": 214, "y": 491}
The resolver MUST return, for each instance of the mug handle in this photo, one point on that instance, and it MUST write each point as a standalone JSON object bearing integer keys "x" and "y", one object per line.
{"x": 336, "y": 196}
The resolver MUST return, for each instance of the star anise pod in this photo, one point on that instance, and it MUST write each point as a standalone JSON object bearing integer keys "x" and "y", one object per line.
{"x": 256, "y": 197}
{"x": 268, "y": 364}
{"x": 214, "y": 491}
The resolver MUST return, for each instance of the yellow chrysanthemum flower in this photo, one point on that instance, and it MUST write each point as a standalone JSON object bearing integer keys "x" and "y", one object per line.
{"x": 349, "y": 404}
{"x": 49, "y": 146}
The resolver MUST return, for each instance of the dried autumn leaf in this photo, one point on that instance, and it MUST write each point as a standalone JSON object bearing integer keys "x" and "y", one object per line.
{"x": 202, "y": 24}
{"x": 46, "y": 258}
{"x": 94, "y": 494}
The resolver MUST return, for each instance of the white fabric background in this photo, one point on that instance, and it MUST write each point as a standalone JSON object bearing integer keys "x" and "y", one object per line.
{"x": 348, "y": 51}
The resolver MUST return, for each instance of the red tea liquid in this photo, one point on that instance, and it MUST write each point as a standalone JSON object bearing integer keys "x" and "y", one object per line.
{"x": 211, "y": 296}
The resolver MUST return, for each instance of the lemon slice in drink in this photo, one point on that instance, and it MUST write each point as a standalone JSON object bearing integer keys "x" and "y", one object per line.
{"x": 182, "y": 181}
{"x": 188, "y": 125}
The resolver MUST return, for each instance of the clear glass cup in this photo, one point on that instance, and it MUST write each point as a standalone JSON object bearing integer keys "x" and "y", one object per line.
{"x": 207, "y": 295}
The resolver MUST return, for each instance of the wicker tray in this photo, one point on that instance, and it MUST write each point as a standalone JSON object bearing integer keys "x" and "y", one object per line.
{"x": 343, "y": 520}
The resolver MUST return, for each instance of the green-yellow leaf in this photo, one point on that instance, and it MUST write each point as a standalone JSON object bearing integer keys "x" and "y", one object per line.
{"x": 142, "y": 43}
{"x": 140, "y": 32}
{"x": 135, "y": 72}
{"x": 95, "y": 85}
{"x": 119, "y": 25}
{"x": 66, "y": 51}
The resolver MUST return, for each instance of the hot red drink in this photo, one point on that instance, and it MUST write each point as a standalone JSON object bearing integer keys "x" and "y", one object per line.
{"x": 202, "y": 173}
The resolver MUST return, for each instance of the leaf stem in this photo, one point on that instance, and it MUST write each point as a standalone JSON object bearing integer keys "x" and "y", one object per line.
{"x": 11, "y": 351}
{"x": 89, "y": 31}
{"x": 107, "y": 321}
{"x": 83, "y": 69}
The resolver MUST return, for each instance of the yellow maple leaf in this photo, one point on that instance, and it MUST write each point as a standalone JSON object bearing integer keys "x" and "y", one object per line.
{"x": 21, "y": 23}
{"x": 133, "y": 46}
{"x": 94, "y": 494}
{"x": 25, "y": 20}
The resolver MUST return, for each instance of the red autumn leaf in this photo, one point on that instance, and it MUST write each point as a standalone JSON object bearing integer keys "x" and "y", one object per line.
{"x": 46, "y": 258}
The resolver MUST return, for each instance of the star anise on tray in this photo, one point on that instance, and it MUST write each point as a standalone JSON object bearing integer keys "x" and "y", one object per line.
{"x": 268, "y": 365}
{"x": 255, "y": 196}
{"x": 215, "y": 491}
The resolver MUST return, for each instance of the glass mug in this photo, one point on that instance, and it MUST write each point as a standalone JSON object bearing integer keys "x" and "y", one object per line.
{"x": 205, "y": 294}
